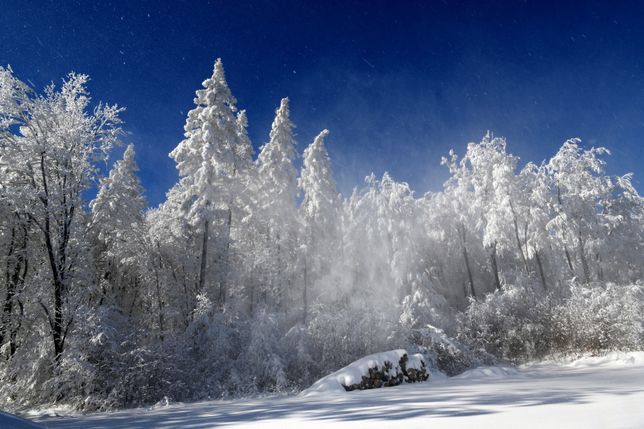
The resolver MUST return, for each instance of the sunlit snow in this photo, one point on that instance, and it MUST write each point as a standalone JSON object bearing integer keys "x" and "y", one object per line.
{"x": 588, "y": 393}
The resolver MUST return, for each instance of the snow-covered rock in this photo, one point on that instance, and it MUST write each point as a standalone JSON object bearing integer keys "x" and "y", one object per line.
{"x": 377, "y": 370}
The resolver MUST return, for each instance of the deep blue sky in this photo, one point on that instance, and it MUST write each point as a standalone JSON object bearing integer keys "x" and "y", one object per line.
{"x": 398, "y": 83}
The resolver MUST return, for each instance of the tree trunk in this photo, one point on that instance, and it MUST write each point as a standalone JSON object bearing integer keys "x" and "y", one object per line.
{"x": 16, "y": 272}
{"x": 223, "y": 283}
{"x": 305, "y": 303}
{"x": 160, "y": 304}
{"x": 584, "y": 262}
{"x": 461, "y": 229}
{"x": 204, "y": 258}
{"x": 495, "y": 267}
{"x": 541, "y": 273}
{"x": 469, "y": 271}
{"x": 13, "y": 333}
{"x": 55, "y": 323}
{"x": 516, "y": 235}
{"x": 251, "y": 297}
{"x": 572, "y": 270}
{"x": 568, "y": 258}
{"x": 57, "y": 260}
{"x": 7, "y": 308}
{"x": 134, "y": 297}
{"x": 280, "y": 286}
{"x": 600, "y": 269}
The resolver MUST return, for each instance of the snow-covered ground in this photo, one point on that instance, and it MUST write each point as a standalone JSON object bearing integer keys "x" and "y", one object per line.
{"x": 605, "y": 392}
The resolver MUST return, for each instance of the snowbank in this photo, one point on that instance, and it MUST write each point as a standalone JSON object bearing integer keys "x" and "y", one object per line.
{"x": 377, "y": 370}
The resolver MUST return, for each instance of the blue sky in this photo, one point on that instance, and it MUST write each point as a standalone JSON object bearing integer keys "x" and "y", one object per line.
{"x": 397, "y": 83}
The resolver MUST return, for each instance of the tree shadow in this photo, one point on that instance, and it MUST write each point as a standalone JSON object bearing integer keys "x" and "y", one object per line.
{"x": 452, "y": 398}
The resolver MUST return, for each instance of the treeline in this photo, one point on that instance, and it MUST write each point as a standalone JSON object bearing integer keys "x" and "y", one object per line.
{"x": 253, "y": 277}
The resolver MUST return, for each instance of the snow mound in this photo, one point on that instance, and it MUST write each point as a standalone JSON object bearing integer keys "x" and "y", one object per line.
{"x": 488, "y": 372}
{"x": 395, "y": 366}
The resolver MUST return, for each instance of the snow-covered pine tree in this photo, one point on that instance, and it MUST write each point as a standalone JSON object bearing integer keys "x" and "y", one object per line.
{"x": 172, "y": 271}
{"x": 119, "y": 203}
{"x": 245, "y": 230}
{"x": 244, "y": 148}
{"x": 319, "y": 214}
{"x": 118, "y": 224}
{"x": 207, "y": 160}
{"x": 277, "y": 173}
{"x": 276, "y": 194}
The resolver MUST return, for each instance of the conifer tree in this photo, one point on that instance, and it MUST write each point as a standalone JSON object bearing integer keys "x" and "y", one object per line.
{"x": 207, "y": 158}
{"x": 118, "y": 208}
{"x": 319, "y": 211}
{"x": 277, "y": 192}
{"x": 117, "y": 221}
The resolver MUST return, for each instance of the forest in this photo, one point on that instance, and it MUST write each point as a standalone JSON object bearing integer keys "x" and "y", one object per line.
{"x": 254, "y": 277}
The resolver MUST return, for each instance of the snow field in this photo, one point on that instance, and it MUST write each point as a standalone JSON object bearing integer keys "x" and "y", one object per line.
{"x": 589, "y": 393}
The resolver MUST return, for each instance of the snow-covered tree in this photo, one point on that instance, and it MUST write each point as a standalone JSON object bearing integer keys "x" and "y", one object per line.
{"x": 207, "y": 160}
{"x": 276, "y": 199}
{"x": 53, "y": 144}
{"x": 458, "y": 195}
{"x": 531, "y": 211}
{"x": 580, "y": 188}
{"x": 244, "y": 148}
{"x": 277, "y": 174}
{"x": 16, "y": 237}
{"x": 320, "y": 216}
{"x": 621, "y": 259}
{"x": 117, "y": 210}
{"x": 119, "y": 226}
{"x": 230, "y": 287}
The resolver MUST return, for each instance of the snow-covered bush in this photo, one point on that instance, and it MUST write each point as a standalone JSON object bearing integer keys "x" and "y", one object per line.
{"x": 340, "y": 335}
{"x": 519, "y": 324}
{"x": 25, "y": 375}
{"x": 260, "y": 366}
{"x": 600, "y": 317}
{"x": 509, "y": 324}
{"x": 446, "y": 354}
